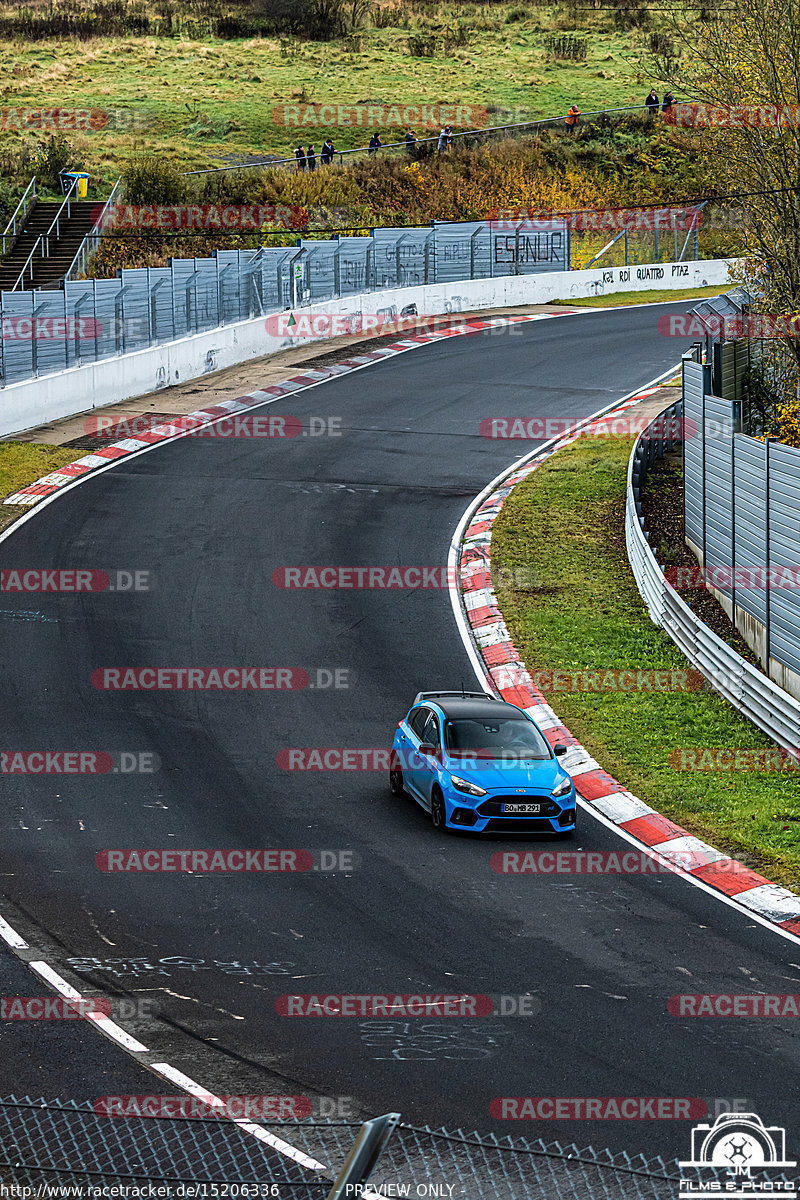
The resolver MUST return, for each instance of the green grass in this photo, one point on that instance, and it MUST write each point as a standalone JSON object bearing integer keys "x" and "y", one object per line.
{"x": 566, "y": 523}
{"x": 206, "y": 99}
{"x": 22, "y": 463}
{"x": 654, "y": 296}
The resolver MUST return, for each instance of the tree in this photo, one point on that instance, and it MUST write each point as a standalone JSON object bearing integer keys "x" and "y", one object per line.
{"x": 746, "y": 58}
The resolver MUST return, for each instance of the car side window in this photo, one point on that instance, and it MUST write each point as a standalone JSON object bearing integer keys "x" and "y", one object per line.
{"x": 417, "y": 720}
{"x": 430, "y": 734}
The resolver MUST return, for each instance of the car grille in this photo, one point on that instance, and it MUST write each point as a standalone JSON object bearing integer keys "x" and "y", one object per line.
{"x": 517, "y": 825}
{"x": 492, "y": 807}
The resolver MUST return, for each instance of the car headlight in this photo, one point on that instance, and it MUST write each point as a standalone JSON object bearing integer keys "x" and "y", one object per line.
{"x": 464, "y": 785}
{"x": 562, "y": 788}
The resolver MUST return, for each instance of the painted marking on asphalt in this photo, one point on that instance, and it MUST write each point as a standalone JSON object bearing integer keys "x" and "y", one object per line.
{"x": 11, "y": 937}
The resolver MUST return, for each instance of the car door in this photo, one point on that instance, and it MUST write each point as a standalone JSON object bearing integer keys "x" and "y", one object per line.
{"x": 427, "y": 772}
{"x": 412, "y": 767}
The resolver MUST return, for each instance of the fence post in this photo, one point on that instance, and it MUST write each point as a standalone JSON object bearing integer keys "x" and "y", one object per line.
{"x": 736, "y": 425}
{"x": 151, "y": 316}
{"x": 703, "y": 467}
{"x": 656, "y": 257}
{"x": 94, "y": 314}
{"x": 398, "y": 247}
{"x": 626, "y": 246}
{"x": 119, "y": 319}
{"x": 767, "y": 555}
{"x": 472, "y": 252}
{"x": 78, "y": 318}
{"x": 172, "y": 297}
{"x": 66, "y": 330}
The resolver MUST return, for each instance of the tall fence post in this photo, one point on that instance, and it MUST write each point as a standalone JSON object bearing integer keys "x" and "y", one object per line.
{"x": 78, "y": 326}
{"x": 66, "y": 330}
{"x": 767, "y": 556}
{"x": 472, "y": 253}
{"x": 703, "y": 466}
{"x": 94, "y": 315}
{"x": 736, "y": 425}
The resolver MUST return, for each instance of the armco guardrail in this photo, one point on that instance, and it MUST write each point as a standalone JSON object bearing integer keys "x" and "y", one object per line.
{"x": 749, "y": 691}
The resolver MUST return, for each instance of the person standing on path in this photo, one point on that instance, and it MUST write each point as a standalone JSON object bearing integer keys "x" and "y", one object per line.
{"x": 328, "y": 151}
{"x": 311, "y": 156}
{"x": 652, "y": 103}
{"x": 300, "y": 155}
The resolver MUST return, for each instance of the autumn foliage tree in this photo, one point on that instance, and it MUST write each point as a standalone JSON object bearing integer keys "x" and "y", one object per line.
{"x": 743, "y": 62}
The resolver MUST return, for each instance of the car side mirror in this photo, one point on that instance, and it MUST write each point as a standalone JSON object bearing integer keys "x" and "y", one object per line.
{"x": 559, "y": 749}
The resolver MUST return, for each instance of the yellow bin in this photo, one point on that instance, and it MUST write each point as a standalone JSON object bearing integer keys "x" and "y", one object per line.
{"x": 82, "y": 187}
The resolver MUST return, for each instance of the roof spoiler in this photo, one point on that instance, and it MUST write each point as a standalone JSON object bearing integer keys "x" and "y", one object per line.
{"x": 433, "y": 695}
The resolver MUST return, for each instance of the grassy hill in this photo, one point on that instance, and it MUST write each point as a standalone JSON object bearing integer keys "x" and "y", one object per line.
{"x": 210, "y": 100}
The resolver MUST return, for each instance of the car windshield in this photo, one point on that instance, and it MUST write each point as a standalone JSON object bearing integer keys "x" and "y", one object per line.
{"x": 495, "y": 737}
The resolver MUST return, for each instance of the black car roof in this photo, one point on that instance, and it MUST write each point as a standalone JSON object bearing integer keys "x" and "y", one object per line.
{"x": 477, "y": 708}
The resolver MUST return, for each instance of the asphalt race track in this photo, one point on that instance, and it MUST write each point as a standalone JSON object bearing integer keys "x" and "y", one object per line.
{"x": 419, "y": 913}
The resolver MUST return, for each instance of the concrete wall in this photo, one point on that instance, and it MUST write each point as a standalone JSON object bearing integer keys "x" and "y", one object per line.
{"x": 92, "y": 385}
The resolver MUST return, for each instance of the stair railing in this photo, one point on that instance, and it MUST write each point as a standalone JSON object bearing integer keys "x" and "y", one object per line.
{"x": 20, "y": 212}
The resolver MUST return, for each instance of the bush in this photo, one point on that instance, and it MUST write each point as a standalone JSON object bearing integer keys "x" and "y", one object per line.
{"x": 153, "y": 180}
{"x": 9, "y": 198}
{"x": 53, "y": 155}
{"x": 566, "y": 46}
{"x": 422, "y": 45}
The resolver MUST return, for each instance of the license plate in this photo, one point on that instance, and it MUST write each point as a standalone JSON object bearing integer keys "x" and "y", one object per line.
{"x": 522, "y": 808}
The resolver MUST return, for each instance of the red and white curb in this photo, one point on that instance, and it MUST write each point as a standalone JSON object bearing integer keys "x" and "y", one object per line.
{"x": 498, "y": 663}
{"x": 182, "y": 426}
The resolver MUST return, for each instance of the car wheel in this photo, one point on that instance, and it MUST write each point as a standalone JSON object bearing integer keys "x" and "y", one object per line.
{"x": 438, "y": 811}
{"x": 396, "y": 779}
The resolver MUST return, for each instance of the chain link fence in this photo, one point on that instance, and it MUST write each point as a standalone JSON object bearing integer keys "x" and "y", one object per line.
{"x": 47, "y": 1144}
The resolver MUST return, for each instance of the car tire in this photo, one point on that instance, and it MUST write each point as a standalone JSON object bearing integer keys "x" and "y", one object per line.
{"x": 438, "y": 811}
{"x": 396, "y": 779}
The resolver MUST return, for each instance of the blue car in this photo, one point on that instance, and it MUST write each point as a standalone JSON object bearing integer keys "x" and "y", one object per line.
{"x": 477, "y": 763}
